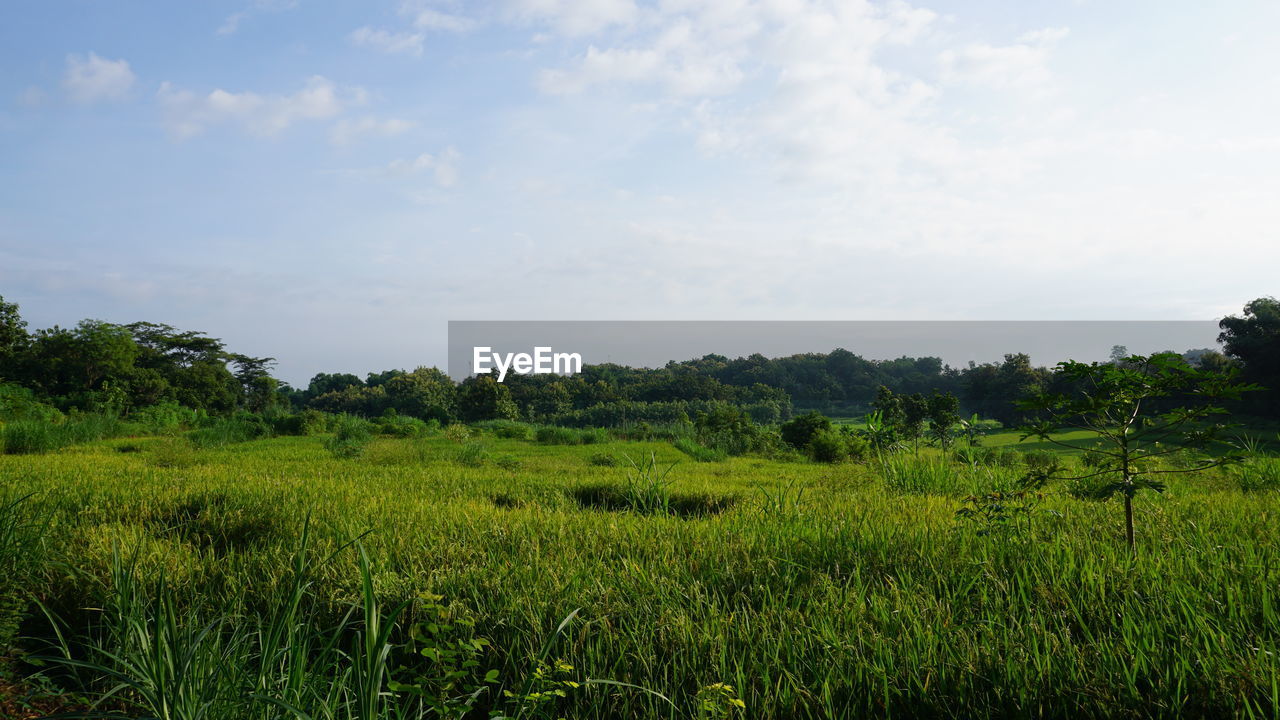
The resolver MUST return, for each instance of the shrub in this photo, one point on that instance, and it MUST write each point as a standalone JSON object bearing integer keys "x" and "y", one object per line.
{"x": 1040, "y": 460}
{"x": 165, "y": 418}
{"x": 351, "y": 435}
{"x": 508, "y": 462}
{"x": 472, "y": 454}
{"x": 592, "y": 436}
{"x": 401, "y": 426}
{"x": 241, "y": 427}
{"x": 552, "y": 435}
{"x": 800, "y": 431}
{"x": 911, "y": 474}
{"x": 457, "y": 433}
{"x": 19, "y": 403}
{"x": 176, "y": 452}
{"x": 508, "y": 429}
{"x": 698, "y": 452}
{"x": 1258, "y": 474}
{"x": 829, "y": 446}
{"x": 30, "y": 437}
{"x": 602, "y": 459}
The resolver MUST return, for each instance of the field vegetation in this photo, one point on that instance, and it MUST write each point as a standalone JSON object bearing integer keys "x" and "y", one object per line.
{"x": 489, "y": 553}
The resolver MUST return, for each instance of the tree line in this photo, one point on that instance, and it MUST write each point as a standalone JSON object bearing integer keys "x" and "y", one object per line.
{"x": 105, "y": 367}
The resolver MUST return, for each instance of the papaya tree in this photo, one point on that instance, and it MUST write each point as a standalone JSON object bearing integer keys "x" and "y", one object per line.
{"x": 1138, "y": 410}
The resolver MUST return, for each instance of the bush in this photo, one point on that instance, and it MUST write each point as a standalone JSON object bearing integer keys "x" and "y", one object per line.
{"x": 307, "y": 422}
{"x": 731, "y": 431}
{"x": 508, "y": 462}
{"x": 552, "y": 435}
{"x": 800, "y": 431}
{"x": 508, "y": 429}
{"x": 165, "y": 418}
{"x": 401, "y": 426}
{"x": 457, "y": 433}
{"x": 592, "y": 436}
{"x": 19, "y": 403}
{"x": 602, "y": 459}
{"x": 351, "y": 435}
{"x": 472, "y": 454}
{"x": 829, "y": 446}
{"x": 175, "y": 452}
{"x": 241, "y": 427}
{"x": 699, "y": 452}
{"x": 1040, "y": 460}
{"x": 31, "y": 437}
{"x": 1257, "y": 475}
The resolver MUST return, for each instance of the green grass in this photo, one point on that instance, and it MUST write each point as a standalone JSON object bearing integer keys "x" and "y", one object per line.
{"x": 813, "y": 590}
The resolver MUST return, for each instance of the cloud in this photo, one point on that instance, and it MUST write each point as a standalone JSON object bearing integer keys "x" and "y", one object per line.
{"x": 188, "y": 114}
{"x": 425, "y": 18}
{"x": 93, "y": 79}
{"x": 347, "y": 131}
{"x": 394, "y": 43}
{"x": 443, "y": 167}
{"x": 1020, "y": 65}
{"x": 232, "y": 24}
{"x": 575, "y": 17}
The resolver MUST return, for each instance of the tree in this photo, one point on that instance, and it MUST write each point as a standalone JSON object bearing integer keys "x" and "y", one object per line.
{"x": 1117, "y": 404}
{"x": 13, "y": 338}
{"x": 915, "y": 411}
{"x": 944, "y": 414}
{"x": 800, "y": 430}
{"x": 484, "y": 398}
{"x": 425, "y": 393}
{"x": 1254, "y": 340}
{"x": 256, "y": 384}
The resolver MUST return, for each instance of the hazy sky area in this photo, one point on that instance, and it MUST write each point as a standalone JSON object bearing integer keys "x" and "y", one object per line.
{"x": 329, "y": 183}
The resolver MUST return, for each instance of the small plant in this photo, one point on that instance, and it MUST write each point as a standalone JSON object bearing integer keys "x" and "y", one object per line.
{"x": 602, "y": 459}
{"x": 448, "y": 678}
{"x": 457, "y": 433}
{"x": 648, "y": 491}
{"x": 1257, "y": 474}
{"x": 547, "y": 685}
{"x": 508, "y": 462}
{"x": 719, "y": 701}
{"x": 472, "y": 454}
{"x": 1121, "y": 405}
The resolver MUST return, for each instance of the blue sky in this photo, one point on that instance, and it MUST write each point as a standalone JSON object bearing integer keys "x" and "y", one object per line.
{"x": 329, "y": 183}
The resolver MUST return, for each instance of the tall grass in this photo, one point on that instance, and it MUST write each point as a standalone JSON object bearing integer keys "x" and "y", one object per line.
{"x": 31, "y": 437}
{"x": 833, "y": 595}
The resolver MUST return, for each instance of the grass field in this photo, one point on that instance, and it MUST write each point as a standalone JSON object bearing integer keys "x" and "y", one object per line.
{"x": 811, "y": 590}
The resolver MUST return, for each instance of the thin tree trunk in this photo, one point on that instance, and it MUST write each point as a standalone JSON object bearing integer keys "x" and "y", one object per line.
{"x": 1128, "y": 519}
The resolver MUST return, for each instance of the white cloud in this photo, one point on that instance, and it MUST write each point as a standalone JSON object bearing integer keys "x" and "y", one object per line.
{"x": 443, "y": 167}
{"x": 92, "y": 79}
{"x": 188, "y": 114}
{"x": 349, "y": 130}
{"x": 1021, "y": 65}
{"x": 575, "y": 17}
{"x": 425, "y": 18}
{"x": 387, "y": 41}
{"x": 232, "y": 24}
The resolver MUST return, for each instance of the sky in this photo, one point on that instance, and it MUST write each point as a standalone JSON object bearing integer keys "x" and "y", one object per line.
{"x": 329, "y": 183}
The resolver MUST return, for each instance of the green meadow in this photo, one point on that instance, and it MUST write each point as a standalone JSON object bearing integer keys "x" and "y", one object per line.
{"x": 448, "y": 576}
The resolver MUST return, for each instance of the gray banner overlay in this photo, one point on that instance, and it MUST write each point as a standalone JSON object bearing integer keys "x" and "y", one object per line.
{"x": 653, "y": 343}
